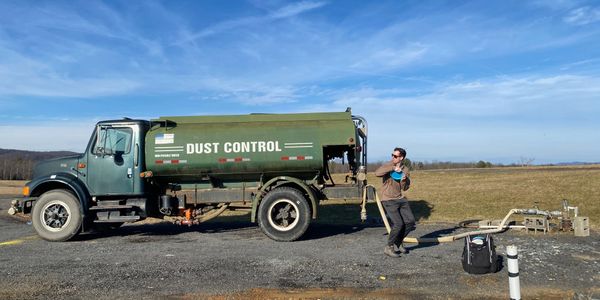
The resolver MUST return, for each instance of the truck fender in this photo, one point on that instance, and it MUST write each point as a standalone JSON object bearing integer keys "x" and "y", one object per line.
{"x": 62, "y": 181}
{"x": 281, "y": 181}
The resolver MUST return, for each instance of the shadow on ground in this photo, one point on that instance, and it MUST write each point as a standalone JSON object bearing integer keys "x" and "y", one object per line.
{"x": 421, "y": 209}
{"x": 315, "y": 230}
{"x": 333, "y": 219}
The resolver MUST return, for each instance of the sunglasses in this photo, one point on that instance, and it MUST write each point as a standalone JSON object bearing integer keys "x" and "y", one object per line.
{"x": 395, "y": 156}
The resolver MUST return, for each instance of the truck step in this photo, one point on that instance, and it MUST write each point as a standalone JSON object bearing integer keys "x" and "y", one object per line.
{"x": 119, "y": 219}
{"x": 111, "y": 207}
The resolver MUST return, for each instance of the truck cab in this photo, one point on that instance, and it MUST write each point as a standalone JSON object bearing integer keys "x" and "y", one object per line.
{"x": 76, "y": 193}
{"x": 114, "y": 159}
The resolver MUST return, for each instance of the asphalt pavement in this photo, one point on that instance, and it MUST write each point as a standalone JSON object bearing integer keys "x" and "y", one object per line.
{"x": 233, "y": 259}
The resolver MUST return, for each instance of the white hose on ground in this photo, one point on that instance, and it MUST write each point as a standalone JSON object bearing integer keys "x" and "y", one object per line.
{"x": 443, "y": 239}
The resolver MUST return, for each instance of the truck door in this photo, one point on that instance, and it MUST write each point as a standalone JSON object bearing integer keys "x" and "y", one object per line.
{"x": 111, "y": 161}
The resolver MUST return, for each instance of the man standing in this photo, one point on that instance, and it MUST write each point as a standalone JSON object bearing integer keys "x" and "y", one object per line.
{"x": 394, "y": 202}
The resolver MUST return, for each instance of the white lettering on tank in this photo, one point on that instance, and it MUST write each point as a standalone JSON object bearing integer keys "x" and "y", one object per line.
{"x": 245, "y": 146}
{"x": 199, "y": 148}
{"x": 207, "y": 148}
{"x": 233, "y": 147}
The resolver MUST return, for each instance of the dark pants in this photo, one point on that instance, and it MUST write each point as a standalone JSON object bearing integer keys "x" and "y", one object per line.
{"x": 403, "y": 220}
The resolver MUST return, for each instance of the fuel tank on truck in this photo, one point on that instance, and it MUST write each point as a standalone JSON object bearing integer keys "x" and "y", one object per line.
{"x": 245, "y": 147}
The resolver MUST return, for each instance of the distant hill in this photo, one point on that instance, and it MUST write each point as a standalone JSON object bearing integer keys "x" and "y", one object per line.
{"x": 18, "y": 164}
{"x": 32, "y": 155}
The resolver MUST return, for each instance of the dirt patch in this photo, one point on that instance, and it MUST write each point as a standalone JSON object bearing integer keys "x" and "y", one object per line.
{"x": 352, "y": 293}
{"x": 332, "y": 293}
{"x": 475, "y": 281}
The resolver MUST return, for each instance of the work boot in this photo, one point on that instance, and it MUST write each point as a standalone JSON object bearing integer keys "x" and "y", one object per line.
{"x": 389, "y": 251}
{"x": 402, "y": 249}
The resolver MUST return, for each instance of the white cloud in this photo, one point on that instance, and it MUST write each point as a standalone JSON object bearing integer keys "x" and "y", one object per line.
{"x": 287, "y": 11}
{"x": 253, "y": 57}
{"x": 25, "y": 76}
{"x": 400, "y": 65}
{"x": 391, "y": 58}
{"x": 583, "y": 16}
{"x": 511, "y": 95}
{"x": 534, "y": 116}
{"x": 253, "y": 94}
{"x": 275, "y": 95}
{"x": 295, "y": 9}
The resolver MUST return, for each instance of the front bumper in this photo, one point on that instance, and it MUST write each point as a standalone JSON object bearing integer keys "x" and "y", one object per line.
{"x": 21, "y": 205}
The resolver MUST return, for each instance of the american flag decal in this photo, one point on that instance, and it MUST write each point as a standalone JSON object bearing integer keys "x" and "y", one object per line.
{"x": 164, "y": 138}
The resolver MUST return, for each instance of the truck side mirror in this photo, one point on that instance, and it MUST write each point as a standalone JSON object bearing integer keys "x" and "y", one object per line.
{"x": 99, "y": 150}
{"x": 118, "y": 158}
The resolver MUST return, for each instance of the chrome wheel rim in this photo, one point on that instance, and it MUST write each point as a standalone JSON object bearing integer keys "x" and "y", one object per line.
{"x": 55, "y": 216}
{"x": 283, "y": 215}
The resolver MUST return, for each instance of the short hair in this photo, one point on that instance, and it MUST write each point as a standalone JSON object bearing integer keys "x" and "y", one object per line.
{"x": 402, "y": 151}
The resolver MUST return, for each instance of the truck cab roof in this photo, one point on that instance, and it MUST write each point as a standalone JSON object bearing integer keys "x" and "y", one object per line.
{"x": 124, "y": 121}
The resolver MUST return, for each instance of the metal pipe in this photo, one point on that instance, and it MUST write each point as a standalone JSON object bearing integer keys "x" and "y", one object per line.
{"x": 505, "y": 227}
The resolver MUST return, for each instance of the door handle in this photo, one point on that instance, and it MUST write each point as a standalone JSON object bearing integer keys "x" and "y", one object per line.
{"x": 136, "y": 155}
{"x": 129, "y": 172}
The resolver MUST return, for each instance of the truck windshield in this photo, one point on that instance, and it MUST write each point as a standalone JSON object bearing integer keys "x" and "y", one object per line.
{"x": 111, "y": 140}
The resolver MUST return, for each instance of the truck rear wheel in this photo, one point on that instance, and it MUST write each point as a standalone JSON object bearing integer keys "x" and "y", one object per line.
{"x": 284, "y": 214}
{"x": 56, "y": 216}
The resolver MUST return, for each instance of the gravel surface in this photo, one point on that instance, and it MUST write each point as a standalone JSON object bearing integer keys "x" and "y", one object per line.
{"x": 222, "y": 259}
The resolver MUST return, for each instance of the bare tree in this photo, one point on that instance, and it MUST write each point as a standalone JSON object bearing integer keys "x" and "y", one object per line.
{"x": 525, "y": 161}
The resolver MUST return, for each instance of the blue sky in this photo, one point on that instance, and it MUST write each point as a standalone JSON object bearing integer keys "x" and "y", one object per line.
{"x": 447, "y": 80}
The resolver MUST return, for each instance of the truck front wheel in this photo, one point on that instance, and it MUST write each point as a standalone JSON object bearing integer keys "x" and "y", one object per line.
{"x": 56, "y": 216}
{"x": 284, "y": 214}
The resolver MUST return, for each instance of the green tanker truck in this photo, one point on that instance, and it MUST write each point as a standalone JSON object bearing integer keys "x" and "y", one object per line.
{"x": 191, "y": 169}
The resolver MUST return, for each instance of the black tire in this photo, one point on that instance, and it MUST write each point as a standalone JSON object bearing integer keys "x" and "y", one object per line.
{"x": 284, "y": 214}
{"x": 57, "y": 216}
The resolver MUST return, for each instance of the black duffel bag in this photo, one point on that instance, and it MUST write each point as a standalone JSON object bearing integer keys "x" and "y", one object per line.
{"x": 479, "y": 255}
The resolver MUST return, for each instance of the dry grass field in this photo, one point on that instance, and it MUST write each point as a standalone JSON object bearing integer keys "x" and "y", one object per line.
{"x": 465, "y": 194}
{"x": 11, "y": 187}
{"x": 456, "y": 195}
{"x": 461, "y": 194}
